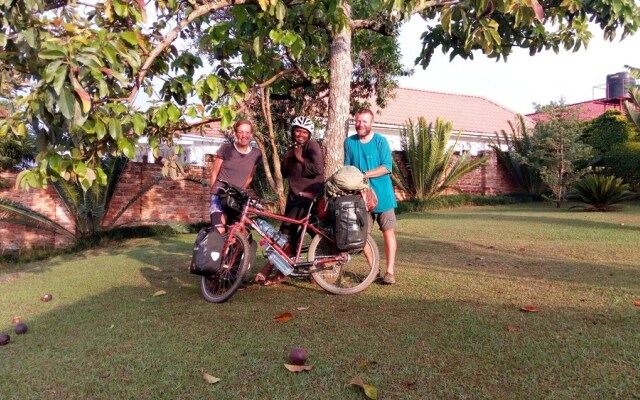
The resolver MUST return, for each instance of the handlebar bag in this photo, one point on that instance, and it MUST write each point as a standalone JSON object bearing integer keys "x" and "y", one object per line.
{"x": 207, "y": 252}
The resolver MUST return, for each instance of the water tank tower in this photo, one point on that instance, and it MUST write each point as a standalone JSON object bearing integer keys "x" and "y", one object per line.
{"x": 618, "y": 85}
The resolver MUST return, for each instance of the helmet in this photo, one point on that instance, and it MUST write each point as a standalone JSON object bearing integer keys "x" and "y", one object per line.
{"x": 302, "y": 122}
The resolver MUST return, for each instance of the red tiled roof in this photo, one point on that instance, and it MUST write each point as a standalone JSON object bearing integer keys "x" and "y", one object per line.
{"x": 591, "y": 109}
{"x": 211, "y": 130}
{"x": 467, "y": 113}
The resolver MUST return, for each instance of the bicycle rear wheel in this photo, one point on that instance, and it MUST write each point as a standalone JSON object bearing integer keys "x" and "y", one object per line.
{"x": 344, "y": 277}
{"x": 220, "y": 287}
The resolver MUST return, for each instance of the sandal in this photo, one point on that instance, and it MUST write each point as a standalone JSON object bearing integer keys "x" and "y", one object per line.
{"x": 277, "y": 279}
{"x": 260, "y": 278}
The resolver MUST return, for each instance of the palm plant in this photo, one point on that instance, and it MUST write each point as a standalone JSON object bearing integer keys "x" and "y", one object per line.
{"x": 520, "y": 147}
{"x": 430, "y": 158}
{"x": 633, "y": 107}
{"x": 88, "y": 208}
{"x": 600, "y": 192}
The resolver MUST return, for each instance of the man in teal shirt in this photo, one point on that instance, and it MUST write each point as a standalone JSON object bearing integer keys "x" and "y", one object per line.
{"x": 370, "y": 153}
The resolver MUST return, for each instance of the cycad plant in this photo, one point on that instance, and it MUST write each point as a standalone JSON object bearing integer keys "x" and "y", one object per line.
{"x": 430, "y": 158}
{"x": 633, "y": 106}
{"x": 87, "y": 208}
{"x": 520, "y": 147}
{"x": 601, "y": 193}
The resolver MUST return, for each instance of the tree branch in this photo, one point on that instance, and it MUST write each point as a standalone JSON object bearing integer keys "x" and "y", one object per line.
{"x": 198, "y": 12}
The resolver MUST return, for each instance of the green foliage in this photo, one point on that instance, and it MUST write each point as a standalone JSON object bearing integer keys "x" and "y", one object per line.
{"x": 623, "y": 160}
{"x": 73, "y": 70}
{"x": 520, "y": 147}
{"x": 601, "y": 193}
{"x": 609, "y": 129}
{"x": 633, "y": 107}
{"x": 462, "y": 200}
{"x": 559, "y": 151}
{"x": 430, "y": 158}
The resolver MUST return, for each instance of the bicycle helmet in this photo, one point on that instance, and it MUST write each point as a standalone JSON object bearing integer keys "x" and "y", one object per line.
{"x": 302, "y": 122}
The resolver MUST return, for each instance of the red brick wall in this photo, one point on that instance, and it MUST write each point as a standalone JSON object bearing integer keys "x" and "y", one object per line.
{"x": 45, "y": 201}
{"x": 179, "y": 200}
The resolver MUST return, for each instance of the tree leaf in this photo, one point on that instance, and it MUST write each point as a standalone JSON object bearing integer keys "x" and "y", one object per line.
{"x": 283, "y": 317}
{"x": 209, "y": 378}
{"x": 66, "y": 102}
{"x": 636, "y": 303}
{"x": 529, "y": 309}
{"x": 298, "y": 368}
{"x": 115, "y": 128}
{"x": 369, "y": 390}
{"x": 139, "y": 124}
{"x": 538, "y": 10}
{"x": 302, "y": 308}
{"x": 159, "y": 293}
{"x": 130, "y": 37}
{"x": 85, "y": 99}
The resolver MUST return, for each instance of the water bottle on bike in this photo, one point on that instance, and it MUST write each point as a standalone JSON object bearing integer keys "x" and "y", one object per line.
{"x": 276, "y": 259}
{"x": 270, "y": 231}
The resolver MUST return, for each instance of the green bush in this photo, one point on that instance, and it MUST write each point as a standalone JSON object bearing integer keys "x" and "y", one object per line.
{"x": 623, "y": 160}
{"x": 601, "y": 193}
{"x": 608, "y": 130}
{"x": 459, "y": 200}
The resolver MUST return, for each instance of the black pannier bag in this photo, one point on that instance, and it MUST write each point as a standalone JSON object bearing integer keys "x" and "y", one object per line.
{"x": 207, "y": 257}
{"x": 349, "y": 221}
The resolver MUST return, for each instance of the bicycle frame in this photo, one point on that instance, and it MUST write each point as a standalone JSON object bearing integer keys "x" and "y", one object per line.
{"x": 247, "y": 218}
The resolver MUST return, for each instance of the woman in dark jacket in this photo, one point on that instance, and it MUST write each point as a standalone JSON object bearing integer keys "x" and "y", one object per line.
{"x": 303, "y": 166}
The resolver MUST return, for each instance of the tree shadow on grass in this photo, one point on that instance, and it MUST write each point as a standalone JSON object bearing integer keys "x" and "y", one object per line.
{"x": 126, "y": 343}
{"x": 471, "y": 257}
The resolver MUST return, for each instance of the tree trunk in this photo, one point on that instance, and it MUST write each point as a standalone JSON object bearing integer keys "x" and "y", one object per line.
{"x": 341, "y": 69}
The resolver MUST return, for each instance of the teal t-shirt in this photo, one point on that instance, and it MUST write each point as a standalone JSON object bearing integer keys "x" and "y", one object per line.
{"x": 367, "y": 156}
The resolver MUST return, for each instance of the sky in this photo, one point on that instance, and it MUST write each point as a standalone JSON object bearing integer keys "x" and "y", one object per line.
{"x": 523, "y": 79}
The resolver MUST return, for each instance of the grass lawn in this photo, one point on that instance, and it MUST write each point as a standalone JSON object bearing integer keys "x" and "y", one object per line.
{"x": 451, "y": 328}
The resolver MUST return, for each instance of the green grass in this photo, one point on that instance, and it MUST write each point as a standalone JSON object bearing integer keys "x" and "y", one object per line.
{"x": 451, "y": 328}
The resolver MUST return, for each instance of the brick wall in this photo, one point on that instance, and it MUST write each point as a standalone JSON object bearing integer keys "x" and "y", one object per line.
{"x": 182, "y": 200}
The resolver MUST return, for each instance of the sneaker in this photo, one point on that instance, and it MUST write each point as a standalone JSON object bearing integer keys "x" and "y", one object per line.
{"x": 389, "y": 279}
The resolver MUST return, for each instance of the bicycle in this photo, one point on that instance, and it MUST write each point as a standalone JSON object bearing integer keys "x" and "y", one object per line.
{"x": 337, "y": 272}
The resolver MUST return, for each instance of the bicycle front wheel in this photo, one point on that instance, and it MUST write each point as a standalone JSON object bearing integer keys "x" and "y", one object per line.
{"x": 220, "y": 287}
{"x": 344, "y": 277}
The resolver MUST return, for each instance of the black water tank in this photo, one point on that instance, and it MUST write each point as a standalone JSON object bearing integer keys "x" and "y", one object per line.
{"x": 616, "y": 85}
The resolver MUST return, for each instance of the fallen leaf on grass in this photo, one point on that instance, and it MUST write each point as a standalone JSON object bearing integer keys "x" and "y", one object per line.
{"x": 370, "y": 391}
{"x": 302, "y": 308}
{"x": 512, "y": 328}
{"x": 159, "y": 293}
{"x": 283, "y": 317}
{"x": 210, "y": 378}
{"x": 298, "y": 368}
{"x": 362, "y": 363}
{"x": 522, "y": 249}
{"x": 636, "y": 303}
{"x": 529, "y": 309}
{"x": 16, "y": 320}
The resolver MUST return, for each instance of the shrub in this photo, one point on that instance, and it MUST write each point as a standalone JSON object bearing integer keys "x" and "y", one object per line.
{"x": 608, "y": 130}
{"x": 460, "y": 200}
{"x": 601, "y": 193}
{"x": 623, "y": 160}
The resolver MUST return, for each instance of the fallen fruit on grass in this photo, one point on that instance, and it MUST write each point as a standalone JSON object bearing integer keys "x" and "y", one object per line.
{"x": 20, "y": 328}
{"x": 4, "y": 339}
{"x": 297, "y": 356}
{"x": 636, "y": 303}
{"x": 46, "y": 297}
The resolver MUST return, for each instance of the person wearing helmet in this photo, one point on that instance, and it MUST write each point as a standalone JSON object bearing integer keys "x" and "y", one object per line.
{"x": 303, "y": 166}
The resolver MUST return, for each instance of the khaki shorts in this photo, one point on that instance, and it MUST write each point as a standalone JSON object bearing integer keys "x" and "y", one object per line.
{"x": 386, "y": 220}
